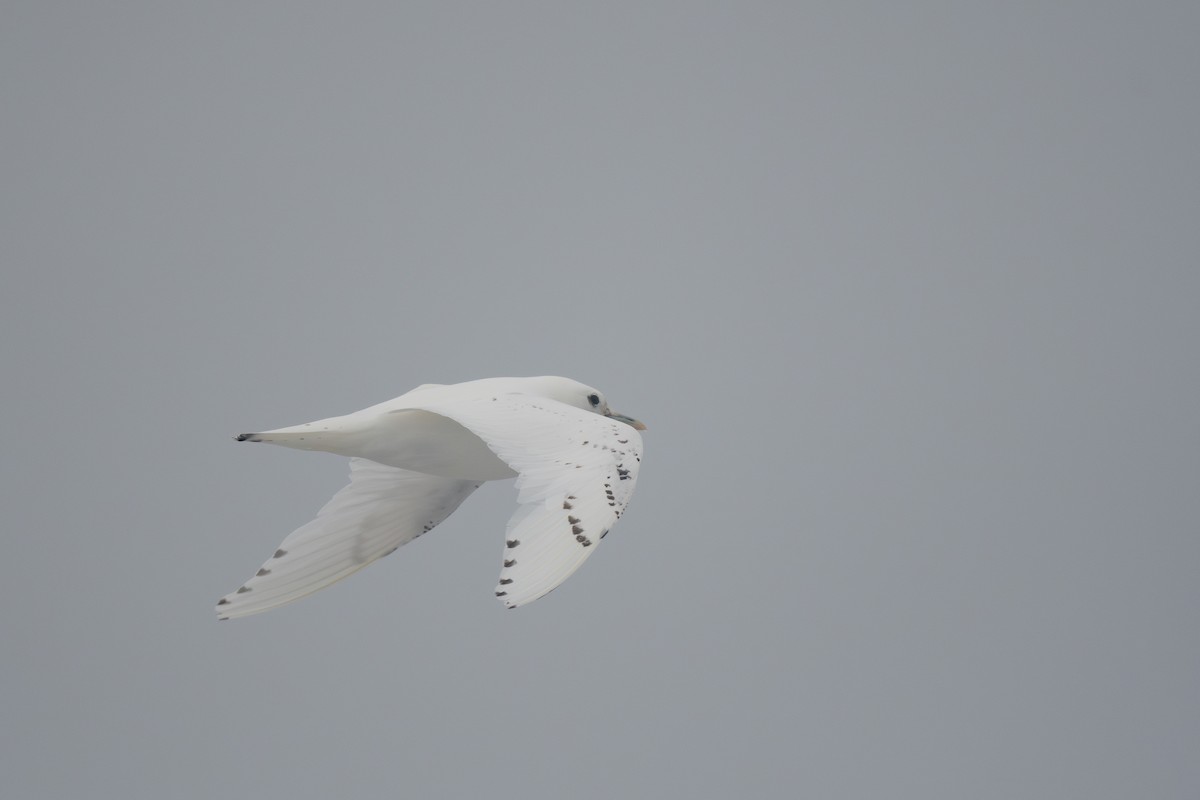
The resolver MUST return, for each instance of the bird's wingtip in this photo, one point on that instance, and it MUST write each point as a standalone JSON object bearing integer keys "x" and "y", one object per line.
{"x": 247, "y": 437}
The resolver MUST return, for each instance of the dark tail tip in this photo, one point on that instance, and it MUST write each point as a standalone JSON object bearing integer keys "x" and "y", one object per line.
{"x": 247, "y": 437}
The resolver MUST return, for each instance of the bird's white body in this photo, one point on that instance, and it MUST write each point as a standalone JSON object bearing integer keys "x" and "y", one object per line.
{"x": 417, "y": 457}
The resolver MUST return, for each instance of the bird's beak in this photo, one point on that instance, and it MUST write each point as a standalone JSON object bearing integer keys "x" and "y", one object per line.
{"x": 630, "y": 421}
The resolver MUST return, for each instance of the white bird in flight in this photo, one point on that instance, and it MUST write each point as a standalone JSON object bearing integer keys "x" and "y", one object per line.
{"x": 413, "y": 460}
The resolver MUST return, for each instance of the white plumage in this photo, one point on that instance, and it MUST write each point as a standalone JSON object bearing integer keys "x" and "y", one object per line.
{"x": 415, "y": 459}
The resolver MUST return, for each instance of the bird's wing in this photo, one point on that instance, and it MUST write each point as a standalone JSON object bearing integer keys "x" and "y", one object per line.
{"x": 382, "y": 508}
{"x": 576, "y": 472}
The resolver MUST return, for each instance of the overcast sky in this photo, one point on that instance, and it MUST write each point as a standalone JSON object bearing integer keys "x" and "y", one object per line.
{"x": 907, "y": 293}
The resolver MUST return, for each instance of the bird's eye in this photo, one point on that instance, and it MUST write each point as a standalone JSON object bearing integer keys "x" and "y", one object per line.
{"x": 594, "y": 399}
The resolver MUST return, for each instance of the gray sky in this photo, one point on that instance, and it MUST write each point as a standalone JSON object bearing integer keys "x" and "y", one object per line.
{"x": 907, "y": 293}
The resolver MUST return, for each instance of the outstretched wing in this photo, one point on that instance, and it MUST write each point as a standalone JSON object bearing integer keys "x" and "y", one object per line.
{"x": 382, "y": 508}
{"x": 576, "y": 472}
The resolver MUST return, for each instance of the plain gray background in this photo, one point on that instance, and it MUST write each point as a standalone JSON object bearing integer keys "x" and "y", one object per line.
{"x": 907, "y": 293}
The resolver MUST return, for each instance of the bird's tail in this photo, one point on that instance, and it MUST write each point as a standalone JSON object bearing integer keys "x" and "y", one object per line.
{"x": 333, "y": 435}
